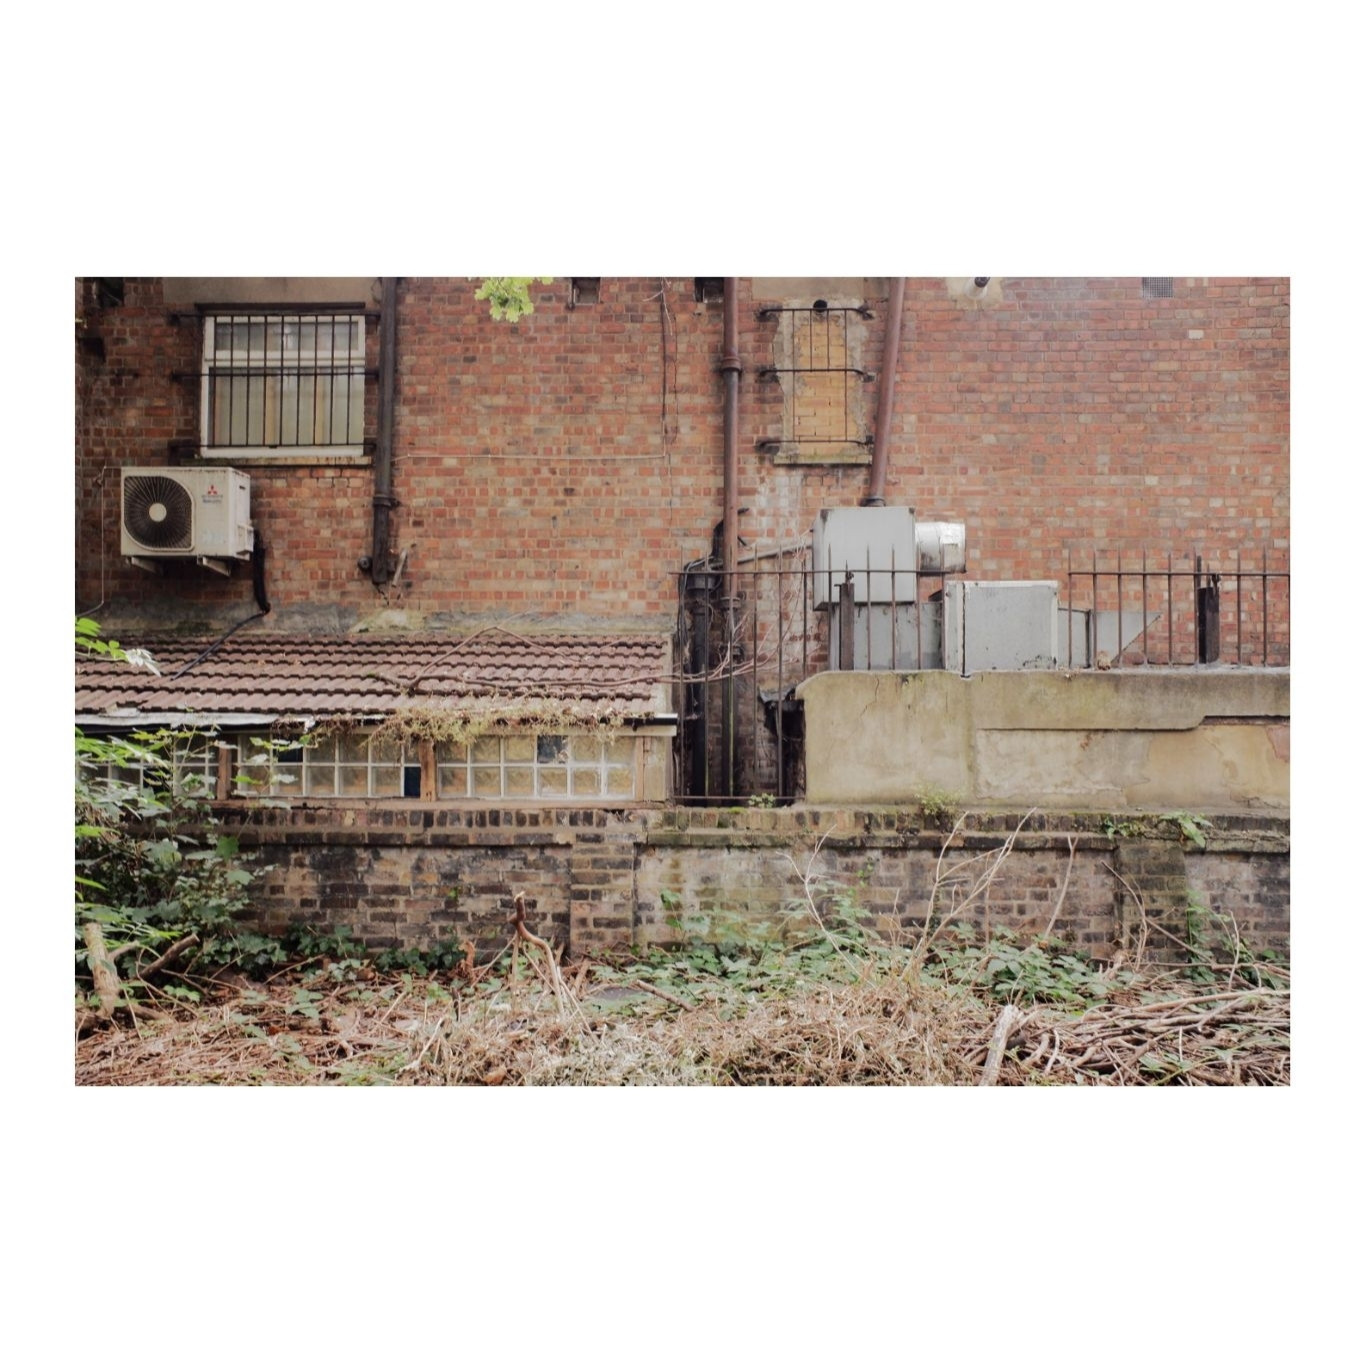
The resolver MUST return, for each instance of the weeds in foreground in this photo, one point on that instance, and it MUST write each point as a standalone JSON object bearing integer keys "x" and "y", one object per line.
{"x": 830, "y": 1002}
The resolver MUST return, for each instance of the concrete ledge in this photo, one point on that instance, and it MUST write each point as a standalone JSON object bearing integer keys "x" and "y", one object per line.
{"x": 1208, "y": 740}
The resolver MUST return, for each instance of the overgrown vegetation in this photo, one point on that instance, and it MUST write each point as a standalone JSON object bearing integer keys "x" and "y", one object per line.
{"x": 829, "y": 998}
{"x": 158, "y": 885}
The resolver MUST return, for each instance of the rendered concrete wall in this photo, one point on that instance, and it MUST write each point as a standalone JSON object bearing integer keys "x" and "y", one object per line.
{"x": 1200, "y": 740}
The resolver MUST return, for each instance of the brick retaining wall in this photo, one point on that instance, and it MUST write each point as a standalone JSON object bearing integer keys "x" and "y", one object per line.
{"x": 597, "y": 880}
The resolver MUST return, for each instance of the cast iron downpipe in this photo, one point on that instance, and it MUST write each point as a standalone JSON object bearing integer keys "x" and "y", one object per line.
{"x": 891, "y": 349}
{"x": 384, "y": 500}
{"x": 730, "y": 520}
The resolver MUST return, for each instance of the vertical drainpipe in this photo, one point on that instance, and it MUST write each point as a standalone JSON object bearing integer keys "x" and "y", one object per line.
{"x": 891, "y": 349}
{"x": 730, "y": 521}
{"x": 384, "y": 500}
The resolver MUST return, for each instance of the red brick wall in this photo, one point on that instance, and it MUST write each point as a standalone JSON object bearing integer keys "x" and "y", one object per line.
{"x": 568, "y": 466}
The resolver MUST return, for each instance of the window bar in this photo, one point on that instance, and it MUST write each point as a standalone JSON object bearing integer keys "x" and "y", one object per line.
{"x": 231, "y": 424}
{"x": 352, "y": 365}
{"x": 844, "y": 378}
{"x": 280, "y": 385}
{"x": 299, "y": 384}
{"x": 347, "y": 401}
{"x": 331, "y": 381}
{"x": 246, "y": 436}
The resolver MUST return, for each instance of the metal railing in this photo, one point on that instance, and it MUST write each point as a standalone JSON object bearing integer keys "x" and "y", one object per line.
{"x": 1183, "y": 612}
{"x": 745, "y": 643}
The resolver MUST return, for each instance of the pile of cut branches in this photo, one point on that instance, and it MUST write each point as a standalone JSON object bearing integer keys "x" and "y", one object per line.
{"x": 1236, "y": 1037}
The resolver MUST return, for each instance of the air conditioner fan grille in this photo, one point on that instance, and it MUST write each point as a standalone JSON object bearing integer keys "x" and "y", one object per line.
{"x": 158, "y": 512}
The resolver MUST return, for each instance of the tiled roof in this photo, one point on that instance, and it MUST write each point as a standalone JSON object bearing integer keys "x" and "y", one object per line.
{"x": 331, "y": 675}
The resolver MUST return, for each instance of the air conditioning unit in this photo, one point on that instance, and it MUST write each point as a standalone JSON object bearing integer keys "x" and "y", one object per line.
{"x": 200, "y": 514}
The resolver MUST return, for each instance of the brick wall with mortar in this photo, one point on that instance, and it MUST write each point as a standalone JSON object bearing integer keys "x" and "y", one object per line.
{"x": 568, "y": 466}
{"x": 596, "y": 880}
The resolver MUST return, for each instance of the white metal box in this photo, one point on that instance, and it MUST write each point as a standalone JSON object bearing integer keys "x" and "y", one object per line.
{"x": 186, "y": 513}
{"x": 1000, "y": 626}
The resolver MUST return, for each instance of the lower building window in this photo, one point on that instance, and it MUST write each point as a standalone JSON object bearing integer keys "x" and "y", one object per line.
{"x": 490, "y": 767}
{"x": 352, "y": 764}
{"x": 537, "y": 766}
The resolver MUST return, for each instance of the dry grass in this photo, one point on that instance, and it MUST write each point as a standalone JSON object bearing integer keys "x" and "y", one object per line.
{"x": 840, "y": 1008}
{"x": 596, "y": 1029}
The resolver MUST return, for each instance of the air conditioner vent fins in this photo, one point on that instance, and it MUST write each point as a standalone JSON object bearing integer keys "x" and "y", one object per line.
{"x": 158, "y": 513}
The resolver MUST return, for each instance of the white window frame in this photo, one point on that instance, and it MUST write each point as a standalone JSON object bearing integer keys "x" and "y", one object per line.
{"x": 263, "y": 359}
{"x": 576, "y": 767}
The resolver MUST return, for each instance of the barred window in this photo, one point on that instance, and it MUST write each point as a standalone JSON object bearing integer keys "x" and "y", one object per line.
{"x": 292, "y": 381}
{"x": 817, "y": 369}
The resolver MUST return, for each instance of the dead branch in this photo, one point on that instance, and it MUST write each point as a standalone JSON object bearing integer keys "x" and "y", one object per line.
{"x": 168, "y": 956}
{"x": 1062, "y": 892}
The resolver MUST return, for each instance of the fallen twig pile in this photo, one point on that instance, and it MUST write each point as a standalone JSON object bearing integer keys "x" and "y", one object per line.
{"x": 600, "y": 1028}
{"x": 1231, "y": 1038}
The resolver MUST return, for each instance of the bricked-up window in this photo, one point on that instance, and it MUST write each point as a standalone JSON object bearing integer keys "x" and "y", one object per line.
{"x": 817, "y": 366}
{"x": 292, "y": 382}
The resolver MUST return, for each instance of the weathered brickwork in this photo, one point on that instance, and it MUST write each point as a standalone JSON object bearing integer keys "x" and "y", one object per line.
{"x": 566, "y": 468}
{"x": 603, "y": 881}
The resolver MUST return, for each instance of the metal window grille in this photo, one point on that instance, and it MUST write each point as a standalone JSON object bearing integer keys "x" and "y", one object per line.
{"x": 814, "y": 349}
{"x": 284, "y": 380}
{"x": 1157, "y": 287}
